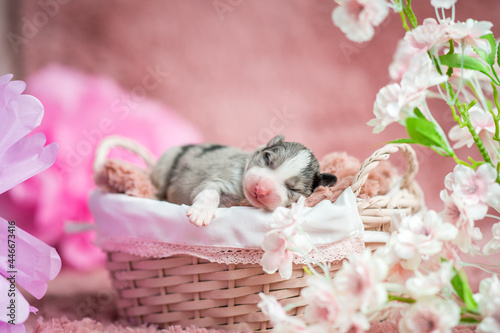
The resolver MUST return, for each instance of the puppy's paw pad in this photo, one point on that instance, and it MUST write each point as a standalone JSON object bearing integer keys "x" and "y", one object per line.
{"x": 200, "y": 217}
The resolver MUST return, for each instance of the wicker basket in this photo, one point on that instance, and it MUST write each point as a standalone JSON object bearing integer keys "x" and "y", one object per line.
{"x": 186, "y": 290}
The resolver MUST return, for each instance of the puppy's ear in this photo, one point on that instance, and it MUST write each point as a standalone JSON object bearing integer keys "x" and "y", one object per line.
{"x": 277, "y": 139}
{"x": 324, "y": 179}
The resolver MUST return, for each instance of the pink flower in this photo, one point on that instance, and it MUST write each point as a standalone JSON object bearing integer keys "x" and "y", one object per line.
{"x": 493, "y": 246}
{"x": 357, "y": 18}
{"x": 462, "y": 217}
{"x": 25, "y": 261}
{"x": 446, "y": 4}
{"x": 276, "y": 255}
{"x": 21, "y": 156}
{"x": 79, "y": 111}
{"x": 422, "y": 285}
{"x": 488, "y": 300}
{"x": 418, "y": 79}
{"x": 360, "y": 279}
{"x": 281, "y": 322}
{"x": 475, "y": 187}
{"x": 482, "y": 122}
{"x": 470, "y": 33}
{"x": 285, "y": 240}
{"x": 427, "y": 36}
{"x": 388, "y": 107}
{"x": 430, "y": 315}
{"x": 401, "y": 60}
{"x": 422, "y": 236}
{"x": 323, "y": 304}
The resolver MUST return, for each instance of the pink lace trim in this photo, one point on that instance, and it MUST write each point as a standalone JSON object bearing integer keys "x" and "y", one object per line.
{"x": 225, "y": 255}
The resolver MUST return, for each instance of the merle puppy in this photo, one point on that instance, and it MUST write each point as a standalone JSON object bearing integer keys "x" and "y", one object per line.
{"x": 208, "y": 176}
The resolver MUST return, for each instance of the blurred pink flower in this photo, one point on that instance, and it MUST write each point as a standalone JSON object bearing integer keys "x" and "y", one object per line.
{"x": 422, "y": 285}
{"x": 358, "y": 18}
{"x": 446, "y": 4}
{"x": 323, "y": 303}
{"x": 462, "y": 217}
{"x": 488, "y": 300}
{"x": 281, "y": 322}
{"x": 360, "y": 279}
{"x": 431, "y": 314}
{"x": 276, "y": 255}
{"x": 26, "y": 261}
{"x": 470, "y": 33}
{"x": 477, "y": 188}
{"x": 428, "y": 35}
{"x": 79, "y": 111}
{"x": 21, "y": 156}
{"x": 482, "y": 122}
{"x": 401, "y": 60}
{"x": 493, "y": 246}
{"x": 422, "y": 235}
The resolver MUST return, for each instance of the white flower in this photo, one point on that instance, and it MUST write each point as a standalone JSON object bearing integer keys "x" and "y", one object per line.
{"x": 401, "y": 60}
{"x": 285, "y": 240}
{"x": 462, "y": 217}
{"x": 430, "y": 315}
{"x": 493, "y": 246}
{"x": 488, "y": 300}
{"x": 475, "y": 187}
{"x": 357, "y": 18}
{"x": 388, "y": 107}
{"x": 428, "y": 35}
{"x": 360, "y": 279}
{"x": 446, "y": 4}
{"x": 323, "y": 304}
{"x": 395, "y": 102}
{"x": 418, "y": 79}
{"x": 482, "y": 122}
{"x": 281, "y": 322}
{"x": 422, "y": 236}
{"x": 470, "y": 33}
{"x": 429, "y": 285}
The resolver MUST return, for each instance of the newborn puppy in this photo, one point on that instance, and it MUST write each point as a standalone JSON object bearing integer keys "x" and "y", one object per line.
{"x": 209, "y": 176}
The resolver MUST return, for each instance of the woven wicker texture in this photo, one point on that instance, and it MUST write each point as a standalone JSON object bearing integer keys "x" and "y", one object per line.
{"x": 185, "y": 290}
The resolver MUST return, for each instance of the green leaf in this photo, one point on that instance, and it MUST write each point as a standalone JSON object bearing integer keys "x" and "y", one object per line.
{"x": 455, "y": 61}
{"x": 425, "y": 133}
{"x": 462, "y": 288}
{"x": 488, "y": 57}
{"x": 469, "y": 320}
{"x": 410, "y": 141}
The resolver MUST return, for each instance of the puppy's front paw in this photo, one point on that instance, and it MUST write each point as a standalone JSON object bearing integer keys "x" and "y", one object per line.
{"x": 200, "y": 216}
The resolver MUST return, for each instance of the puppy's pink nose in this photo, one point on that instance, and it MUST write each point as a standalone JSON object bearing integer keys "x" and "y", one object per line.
{"x": 261, "y": 191}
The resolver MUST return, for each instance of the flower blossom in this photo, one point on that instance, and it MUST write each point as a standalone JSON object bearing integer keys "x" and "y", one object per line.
{"x": 33, "y": 262}
{"x": 401, "y": 60}
{"x": 488, "y": 301}
{"x": 427, "y": 36}
{"x": 493, "y": 246}
{"x": 477, "y": 188}
{"x": 446, "y": 4}
{"x": 470, "y": 33}
{"x": 285, "y": 240}
{"x": 422, "y": 285}
{"x": 422, "y": 236}
{"x": 361, "y": 279}
{"x": 482, "y": 122}
{"x": 396, "y": 102}
{"x": 431, "y": 314}
{"x": 281, "y": 322}
{"x": 357, "y": 18}
{"x": 462, "y": 217}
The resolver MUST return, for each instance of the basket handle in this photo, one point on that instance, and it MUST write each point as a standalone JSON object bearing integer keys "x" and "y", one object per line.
{"x": 382, "y": 154}
{"x": 114, "y": 141}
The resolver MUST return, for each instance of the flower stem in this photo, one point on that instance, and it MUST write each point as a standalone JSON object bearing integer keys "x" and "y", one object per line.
{"x": 410, "y": 15}
{"x": 496, "y": 117}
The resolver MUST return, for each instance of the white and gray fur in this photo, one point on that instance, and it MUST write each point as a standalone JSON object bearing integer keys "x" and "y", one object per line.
{"x": 208, "y": 176}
